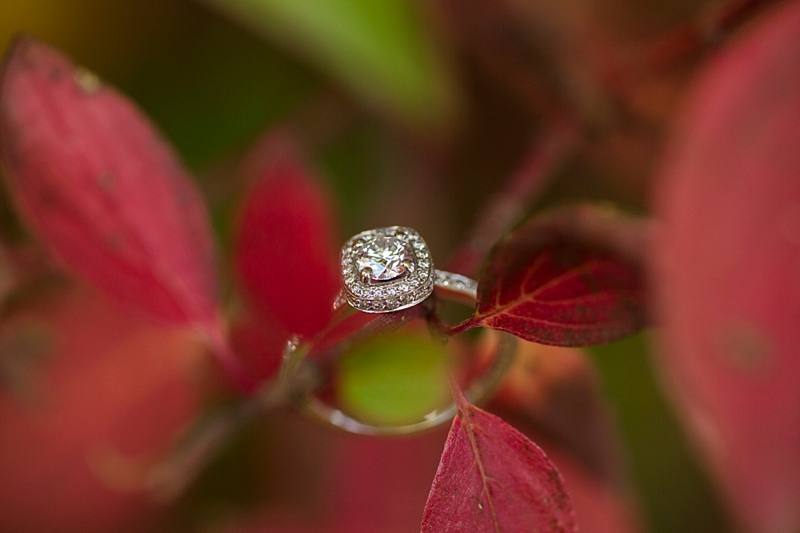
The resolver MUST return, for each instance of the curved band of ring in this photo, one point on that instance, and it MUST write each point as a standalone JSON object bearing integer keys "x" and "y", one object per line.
{"x": 386, "y": 270}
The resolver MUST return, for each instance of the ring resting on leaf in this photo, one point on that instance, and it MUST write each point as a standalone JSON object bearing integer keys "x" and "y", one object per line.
{"x": 385, "y": 270}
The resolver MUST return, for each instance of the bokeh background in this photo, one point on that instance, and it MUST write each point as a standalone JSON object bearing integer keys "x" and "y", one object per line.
{"x": 404, "y": 124}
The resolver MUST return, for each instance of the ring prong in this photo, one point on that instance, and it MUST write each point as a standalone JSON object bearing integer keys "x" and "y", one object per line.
{"x": 366, "y": 275}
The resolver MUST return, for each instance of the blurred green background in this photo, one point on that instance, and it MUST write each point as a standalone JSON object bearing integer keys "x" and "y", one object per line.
{"x": 369, "y": 83}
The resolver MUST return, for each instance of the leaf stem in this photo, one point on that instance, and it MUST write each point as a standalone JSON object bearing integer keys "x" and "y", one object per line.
{"x": 461, "y": 327}
{"x": 460, "y": 399}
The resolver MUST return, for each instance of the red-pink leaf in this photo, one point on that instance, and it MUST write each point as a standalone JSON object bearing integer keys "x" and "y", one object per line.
{"x": 727, "y": 271}
{"x": 556, "y": 392}
{"x": 284, "y": 249}
{"x": 101, "y": 387}
{"x": 568, "y": 278}
{"x": 553, "y": 396}
{"x": 491, "y": 478}
{"x": 102, "y": 189}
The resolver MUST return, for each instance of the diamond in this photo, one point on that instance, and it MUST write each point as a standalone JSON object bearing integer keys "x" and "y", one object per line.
{"x": 385, "y": 258}
{"x": 386, "y": 269}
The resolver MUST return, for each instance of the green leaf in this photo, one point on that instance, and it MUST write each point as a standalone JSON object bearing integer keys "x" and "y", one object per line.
{"x": 379, "y": 49}
{"x": 393, "y": 380}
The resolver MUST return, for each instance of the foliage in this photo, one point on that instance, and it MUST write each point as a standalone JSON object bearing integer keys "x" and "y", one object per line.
{"x": 123, "y": 337}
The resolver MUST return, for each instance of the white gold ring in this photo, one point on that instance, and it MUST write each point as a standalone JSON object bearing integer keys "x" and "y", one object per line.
{"x": 389, "y": 269}
{"x": 385, "y": 270}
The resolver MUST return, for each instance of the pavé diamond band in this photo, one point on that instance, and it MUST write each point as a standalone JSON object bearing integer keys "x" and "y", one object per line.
{"x": 385, "y": 270}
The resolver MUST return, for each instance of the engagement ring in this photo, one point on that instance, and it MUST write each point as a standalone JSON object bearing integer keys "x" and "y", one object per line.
{"x": 385, "y": 270}
{"x": 389, "y": 269}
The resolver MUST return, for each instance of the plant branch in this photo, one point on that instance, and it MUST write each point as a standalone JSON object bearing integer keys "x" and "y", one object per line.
{"x": 508, "y": 206}
{"x": 685, "y": 41}
{"x": 210, "y": 434}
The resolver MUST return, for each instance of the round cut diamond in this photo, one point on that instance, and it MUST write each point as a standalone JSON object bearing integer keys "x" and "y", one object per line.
{"x": 385, "y": 258}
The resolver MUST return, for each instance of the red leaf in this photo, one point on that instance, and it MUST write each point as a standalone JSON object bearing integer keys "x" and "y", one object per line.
{"x": 557, "y": 392}
{"x": 553, "y": 396}
{"x": 101, "y": 384}
{"x": 568, "y": 278}
{"x": 284, "y": 249}
{"x": 102, "y": 189}
{"x": 491, "y": 478}
{"x": 727, "y": 265}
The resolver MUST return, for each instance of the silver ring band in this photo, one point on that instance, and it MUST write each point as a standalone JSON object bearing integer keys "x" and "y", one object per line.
{"x": 446, "y": 281}
{"x": 386, "y": 270}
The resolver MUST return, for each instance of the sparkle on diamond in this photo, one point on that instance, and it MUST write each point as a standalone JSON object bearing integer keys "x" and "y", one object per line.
{"x": 386, "y": 257}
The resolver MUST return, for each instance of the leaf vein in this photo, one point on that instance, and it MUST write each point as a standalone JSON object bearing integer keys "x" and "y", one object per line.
{"x": 479, "y": 463}
{"x": 563, "y": 277}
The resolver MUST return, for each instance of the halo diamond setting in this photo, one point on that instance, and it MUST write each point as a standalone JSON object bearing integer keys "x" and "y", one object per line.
{"x": 386, "y": 269}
